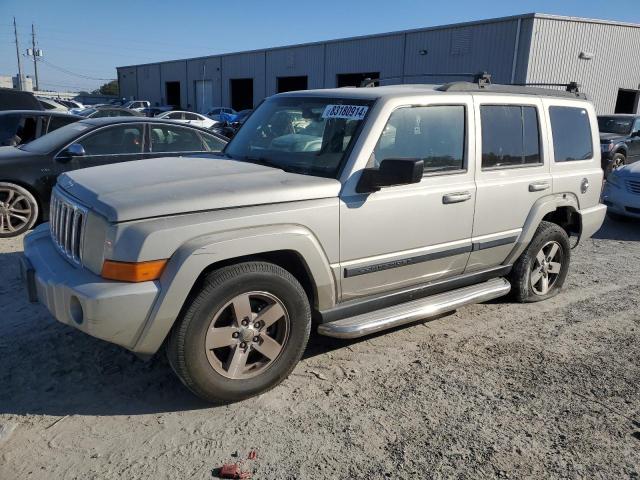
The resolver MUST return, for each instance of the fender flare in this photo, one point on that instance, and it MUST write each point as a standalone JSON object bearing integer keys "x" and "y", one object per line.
{"x": 540, "y": 208}
{"x": 195, "y": 256}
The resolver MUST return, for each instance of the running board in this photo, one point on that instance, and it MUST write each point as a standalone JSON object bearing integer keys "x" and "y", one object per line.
{"x": 372, "y": 322}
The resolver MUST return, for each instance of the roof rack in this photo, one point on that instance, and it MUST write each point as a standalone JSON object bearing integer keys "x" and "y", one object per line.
{"x": 482, "y": 83}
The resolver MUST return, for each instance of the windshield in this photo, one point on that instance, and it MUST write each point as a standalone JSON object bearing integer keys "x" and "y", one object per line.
{"x": 56, "y": 139}
{"x": 619, "y": 125}
{"x": 86, "y": 112}
{"x": 308, "y": 135}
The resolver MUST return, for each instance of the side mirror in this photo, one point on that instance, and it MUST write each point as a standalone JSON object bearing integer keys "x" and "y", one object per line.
{"x": 73, "y": 150}
{"x": 636, "y": 133}
{"x": 391, "y": 172}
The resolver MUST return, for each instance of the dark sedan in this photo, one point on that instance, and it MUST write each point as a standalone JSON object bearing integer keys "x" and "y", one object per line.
{"x": 29, "y": 172}
{"x": 619, "y": 140}
{"x": 23, "y": 126}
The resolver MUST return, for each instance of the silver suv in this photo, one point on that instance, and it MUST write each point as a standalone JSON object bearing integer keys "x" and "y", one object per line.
{"x": 347, "y": 210}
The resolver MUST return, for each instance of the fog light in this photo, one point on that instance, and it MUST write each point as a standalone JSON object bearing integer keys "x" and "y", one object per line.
{"x": 75, "y": 310}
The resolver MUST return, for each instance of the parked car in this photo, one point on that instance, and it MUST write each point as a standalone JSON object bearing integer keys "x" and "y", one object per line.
{"x": 137, "y": 104}
{"x": 107, "y": 111}
{"x": 70, "y": 104}
{"x": 215, "y": 113}
{"x": 376, "y": 211}
{"x": 621, "y": 192}
{"x": 190, "y": 118}
{"x": 52, "y": 105}
{"x": 229, "y": 127}
{"x": 22, "y": 126}
{"x": 11, "y": 99}
{"x": 619, "y": 140}
{"x": 28, "y": 172}
{"x": 155, "y": 111}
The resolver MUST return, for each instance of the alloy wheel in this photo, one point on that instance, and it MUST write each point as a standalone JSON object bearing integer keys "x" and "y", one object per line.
{"x": 546, "y": 268}
{"x": 247, "y": 335}
{"x": 16, "y": 211}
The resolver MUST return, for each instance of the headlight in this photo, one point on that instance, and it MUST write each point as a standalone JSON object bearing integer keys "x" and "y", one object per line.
{"x": 606, "y": 147}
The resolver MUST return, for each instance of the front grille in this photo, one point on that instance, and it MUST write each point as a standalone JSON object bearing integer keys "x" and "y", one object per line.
{"x": 633, "y": 186}
{"x": 66, "y": 223}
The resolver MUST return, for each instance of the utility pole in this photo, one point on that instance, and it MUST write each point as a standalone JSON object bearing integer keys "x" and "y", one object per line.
{"x": 35, "y": 54}
{"x": 15, "y": 32}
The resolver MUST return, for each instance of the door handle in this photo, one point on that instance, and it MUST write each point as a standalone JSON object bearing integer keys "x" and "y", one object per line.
{"x": 538, "y": 186}
{"x": 456, "y": 197}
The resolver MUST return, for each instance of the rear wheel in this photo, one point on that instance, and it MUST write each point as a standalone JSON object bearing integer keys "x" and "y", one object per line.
{"x": 242, "y": 333}
{"x": 541, "y": 270}
{"x": 18, "y": 210}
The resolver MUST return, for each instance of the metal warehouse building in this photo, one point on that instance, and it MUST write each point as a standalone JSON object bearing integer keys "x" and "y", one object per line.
{"x": 602, "y": 56}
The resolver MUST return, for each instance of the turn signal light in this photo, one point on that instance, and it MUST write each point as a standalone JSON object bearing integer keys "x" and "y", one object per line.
{"x": 133, "y": 272}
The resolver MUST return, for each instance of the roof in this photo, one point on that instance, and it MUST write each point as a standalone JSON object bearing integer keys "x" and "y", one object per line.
{"x": 50, "y": 113}
{"x": 400, "y": 32}
{"x": 100, "y": 122}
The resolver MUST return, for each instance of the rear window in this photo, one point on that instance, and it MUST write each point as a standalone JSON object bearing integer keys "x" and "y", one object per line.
{"x": 571, "y": 131}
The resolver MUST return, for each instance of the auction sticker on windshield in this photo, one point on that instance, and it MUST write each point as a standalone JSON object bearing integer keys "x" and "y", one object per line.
{"x": 347, "y": 112}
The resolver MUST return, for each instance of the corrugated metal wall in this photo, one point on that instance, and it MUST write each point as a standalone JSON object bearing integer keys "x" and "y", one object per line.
{"x": 295, "y": 61}
{"x": 201, "y": 70}
{"x": 557, "y": 44}
{"x": 547, "y": 51}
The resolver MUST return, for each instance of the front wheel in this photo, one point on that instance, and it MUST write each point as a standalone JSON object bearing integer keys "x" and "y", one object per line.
{"x": 541, "y": 270}
{"x": 242, "y": 333}
{"x": 18, "y": 210}
{"x": 617, "y": 161}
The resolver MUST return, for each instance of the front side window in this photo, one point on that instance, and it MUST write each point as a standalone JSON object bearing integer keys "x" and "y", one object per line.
{"x": 118, "y": 140}
{"x": 435, "y": 134}
{"x": 510, "y": 136}
{"x": 571, "y": 133}
{"x": 616, "y": 125}
{"x": 175, "y": 116}
{"x": 307, "y": 135}
{"x": 165, "y": 138}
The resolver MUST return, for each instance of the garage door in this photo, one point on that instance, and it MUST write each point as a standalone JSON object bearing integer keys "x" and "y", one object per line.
{"x": 204, "y": 95}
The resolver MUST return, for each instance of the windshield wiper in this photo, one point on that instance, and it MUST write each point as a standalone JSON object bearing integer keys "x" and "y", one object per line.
{"x": 263, "y": 161}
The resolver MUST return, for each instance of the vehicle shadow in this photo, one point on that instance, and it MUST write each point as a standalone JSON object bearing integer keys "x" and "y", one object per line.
{"x": 626, "y": 230}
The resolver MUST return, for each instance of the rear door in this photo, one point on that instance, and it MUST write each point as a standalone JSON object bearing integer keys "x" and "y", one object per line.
{"x": 634, "y": 142}
{"x": 173, "y": 140}
{"x": 512, "y": 173}
{"x": 575, "y": 146}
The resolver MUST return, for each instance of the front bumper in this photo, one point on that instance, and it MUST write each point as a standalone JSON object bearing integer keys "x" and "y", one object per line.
{"x": 111, "y": 311}
{"x": 619, "y": 200}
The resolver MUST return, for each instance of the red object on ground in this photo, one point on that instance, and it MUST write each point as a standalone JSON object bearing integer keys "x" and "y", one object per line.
{"x": 252, "y": 455}
{"x": 232, "y": 470}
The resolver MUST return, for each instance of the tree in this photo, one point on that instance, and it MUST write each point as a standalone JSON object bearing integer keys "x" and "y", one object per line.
{"x": 109, "y": 88}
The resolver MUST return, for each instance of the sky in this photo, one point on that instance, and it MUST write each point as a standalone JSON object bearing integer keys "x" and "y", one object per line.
{"x": 83, "y": 41}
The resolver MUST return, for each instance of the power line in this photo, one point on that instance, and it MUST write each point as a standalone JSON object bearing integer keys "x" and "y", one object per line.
{"x": 68, "y": 72}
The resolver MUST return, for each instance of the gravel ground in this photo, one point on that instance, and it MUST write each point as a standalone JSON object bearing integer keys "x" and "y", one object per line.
{"x": 500, "y": 390}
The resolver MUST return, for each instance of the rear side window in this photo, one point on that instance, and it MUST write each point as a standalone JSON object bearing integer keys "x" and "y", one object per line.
{"x": 571, "y": 134}
{"x": 166, "y": 138}
{"x": 435, "y": 134}
{"x": 510, "y": 136}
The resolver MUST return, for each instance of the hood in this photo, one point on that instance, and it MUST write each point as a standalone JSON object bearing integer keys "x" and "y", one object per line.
{"x": 12, "y": 154}
{"x": 174, "y": 185}
{"x": 630, "y": 170}
{"x": 610, "y": 137}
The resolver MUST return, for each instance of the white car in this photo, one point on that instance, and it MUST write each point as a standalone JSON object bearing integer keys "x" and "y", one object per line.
{"x": 621, "y": 192}
{"x": 191, "y": 118}
{"x": 137, "y": 104}
{"x": 49, "y": 104}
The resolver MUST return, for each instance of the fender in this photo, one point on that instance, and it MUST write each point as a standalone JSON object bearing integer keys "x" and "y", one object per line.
{"x": 193, "y": 257}
{"x": 540, "y": 208}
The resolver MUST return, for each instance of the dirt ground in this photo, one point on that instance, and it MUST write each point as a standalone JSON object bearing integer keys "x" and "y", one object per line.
{"x": 500, "y": 390}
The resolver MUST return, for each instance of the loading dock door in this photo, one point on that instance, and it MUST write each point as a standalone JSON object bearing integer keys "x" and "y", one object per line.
{"x": 627, "y": 101}
{"x": 204, "y": 95}
{"x": 291, "y": 84}
{"x": 355, "y": 79}
{"x": 172, "y": 91}
{"x": 241, "y": 93}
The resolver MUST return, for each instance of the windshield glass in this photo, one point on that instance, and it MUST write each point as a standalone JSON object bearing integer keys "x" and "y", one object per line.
{"x": 86, "y": 112}
{"x": 56, "y": 139}
{"x": 308, "y": 135}
{"x": 619, "y": 125}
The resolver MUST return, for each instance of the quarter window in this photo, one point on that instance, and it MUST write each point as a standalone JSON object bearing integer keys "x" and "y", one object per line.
{"x": 214, "y": 144}
{"x": 571, "y": 134}
{"x": 166, "y": 138}
{"x": 123, "y": 139}
{"x": 510, "y": 136}
{"x": 435, "y": 134}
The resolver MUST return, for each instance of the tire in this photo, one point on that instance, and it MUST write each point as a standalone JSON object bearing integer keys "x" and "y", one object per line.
{"x": 528, "y": 274}
{"x": 618, "y": 160}
{"x": 205, "y": 346}
{"x": 18, "y": 210}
